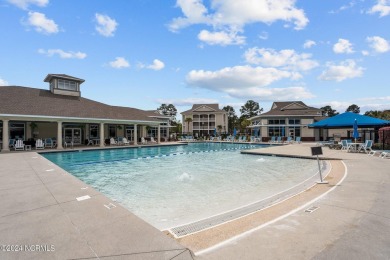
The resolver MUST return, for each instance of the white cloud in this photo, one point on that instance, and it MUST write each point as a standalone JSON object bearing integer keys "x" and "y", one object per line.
{"x": 187, "y": 101}
{"x": 119, "y": 63}
{"x": 231, "y": 16}
{"x": 157, "y": 65}
{"x": 386, "y": 98}
{"x": 221, "y": 38}
{"x": 286, "y": 59}
{"x": 272, "y": 94}
{"x": 308, "y": 44}
{"x": 41, "y": 23}
{"x": 3, "y": 82}
{"x": 382, "y": 7}
{"x": 63, "y": 54}
{"x": 247, "y": 82}
{"x": 106, "y": 26}
{"x": 378, "y": 44}
{"x": 25, "y": 3}
{"x": 345, "y": 70}
{"x": 343, "y": 46}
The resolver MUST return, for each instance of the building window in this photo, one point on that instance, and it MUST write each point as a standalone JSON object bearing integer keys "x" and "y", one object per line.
{"x": 276, "y": 122}
{"x": 294, "y": 121}
{"x": 112, "y": 131}
{"x": 276, "y": 131}
{"x": 94, "y": 131}
{"x": 67, "y": 85}
{"x": 153, "y": 132}
{"x": 16, "y": 130}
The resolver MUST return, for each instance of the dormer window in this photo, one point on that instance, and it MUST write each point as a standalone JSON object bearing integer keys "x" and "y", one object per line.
{"x": 67, "y": 85}
{"x": 62, "y": 84}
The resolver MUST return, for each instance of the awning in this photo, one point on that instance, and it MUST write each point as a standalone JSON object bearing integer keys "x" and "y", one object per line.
{"x": 347, "y": 119}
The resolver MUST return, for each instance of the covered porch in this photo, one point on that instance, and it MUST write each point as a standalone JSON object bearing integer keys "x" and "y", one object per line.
{"x": 70, "y": 132}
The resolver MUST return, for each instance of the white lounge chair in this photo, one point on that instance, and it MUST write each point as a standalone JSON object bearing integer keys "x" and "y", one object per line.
{"x": 39, "y": 144}
{"x": 152, "y": 140}
{"x": 366, "y": 146}
{"x": 143, "y": 141}
{"x": 125, "y": 141}
{"x": 19, "y": 145}
{"x": 113, "y": 142}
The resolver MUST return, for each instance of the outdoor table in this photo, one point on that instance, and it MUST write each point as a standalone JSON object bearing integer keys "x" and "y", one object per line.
{"x": 353, "y": 147}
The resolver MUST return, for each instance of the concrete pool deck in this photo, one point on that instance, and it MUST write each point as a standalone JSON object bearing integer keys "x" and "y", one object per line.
{"x": 350, "y": 222}
{"x": 40, "y": 212}
{"x": 39, "y": 207}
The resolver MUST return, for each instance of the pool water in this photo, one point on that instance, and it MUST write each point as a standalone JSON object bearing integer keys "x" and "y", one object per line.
{"x": 174, "y": 185}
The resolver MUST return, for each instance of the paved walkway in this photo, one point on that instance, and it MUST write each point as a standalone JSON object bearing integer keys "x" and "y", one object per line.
{"x": 41, "y": 217}
{"x": 351, "y": 222}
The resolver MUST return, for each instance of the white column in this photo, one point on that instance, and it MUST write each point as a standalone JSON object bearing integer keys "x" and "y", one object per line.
{"x": 5, "y": 136}
{"x": 135, "y": 135}
{"x": 158, "y": 134}
{"x": 59, "y": 136}
{"x": 101, "y": 128}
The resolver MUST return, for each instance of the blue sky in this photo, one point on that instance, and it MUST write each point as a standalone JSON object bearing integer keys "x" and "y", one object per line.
{"x": 142, "y": 53}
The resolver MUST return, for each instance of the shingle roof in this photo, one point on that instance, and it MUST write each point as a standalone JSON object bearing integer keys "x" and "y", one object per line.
{"x": 215, "y": 108}
{"x": 62, "y": 76}
{"x": 291, "y": 108}
{"x": 39, "y": 102}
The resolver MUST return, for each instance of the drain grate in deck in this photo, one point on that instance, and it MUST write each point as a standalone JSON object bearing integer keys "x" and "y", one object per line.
{"x": 188, "y": 229}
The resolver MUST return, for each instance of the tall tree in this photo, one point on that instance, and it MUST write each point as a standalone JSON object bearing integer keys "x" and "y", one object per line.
{"x": 231, "y": 116}
{"x": 167, "y": 110}
{"x": 328, "y": 111}
{"x": 385, "y": 114}
{"x": 250, "y": 109}
{"x": 353, "y": 108}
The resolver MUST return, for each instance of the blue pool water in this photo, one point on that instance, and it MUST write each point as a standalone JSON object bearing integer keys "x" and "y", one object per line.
{"x": 174, "y": 185}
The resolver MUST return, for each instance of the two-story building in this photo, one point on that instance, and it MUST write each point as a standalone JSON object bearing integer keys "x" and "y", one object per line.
{"x": 285, "y": 119}
{"x": 204, "y": 120}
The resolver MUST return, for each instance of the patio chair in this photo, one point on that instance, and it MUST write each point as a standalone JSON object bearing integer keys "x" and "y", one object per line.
{"x": 39, "y": 144}
{"x": 289, "y": 140}
{"x": 11, "y": 143}
{"x": 49, "y": 142}
{"x": 152, "y": 140}
{"x": 366, "y": 146}
{"x": 125, "y": 141}
{"x": 113, "y": 142}
{"x": 272, "y": 139}
{"x": 297, "y": 139}
{"x": 19, "y": 145}
{"x": 344, "y": 145}
{"x": 279, "y": 139}
{"x": 384, "y": 155}
{"x": 143, "y": 141}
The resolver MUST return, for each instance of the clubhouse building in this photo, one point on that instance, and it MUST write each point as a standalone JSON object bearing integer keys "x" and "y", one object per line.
{"x": 61, "y": 113}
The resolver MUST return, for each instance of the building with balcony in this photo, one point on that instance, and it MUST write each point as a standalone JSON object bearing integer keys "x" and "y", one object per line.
{"x": 204, "y": 119}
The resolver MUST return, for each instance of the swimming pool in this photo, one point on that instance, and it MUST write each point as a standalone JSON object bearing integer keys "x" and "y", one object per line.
{"x": 173, "y": 185}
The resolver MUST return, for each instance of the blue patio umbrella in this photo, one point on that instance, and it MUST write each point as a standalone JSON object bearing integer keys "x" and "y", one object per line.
{"x": 282, "y": 131}
{"x": 256, "y": 133}
{"x": 234, "y": 132}
{"x": 215, "y": 131}
{"x": 355, "y": 133}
